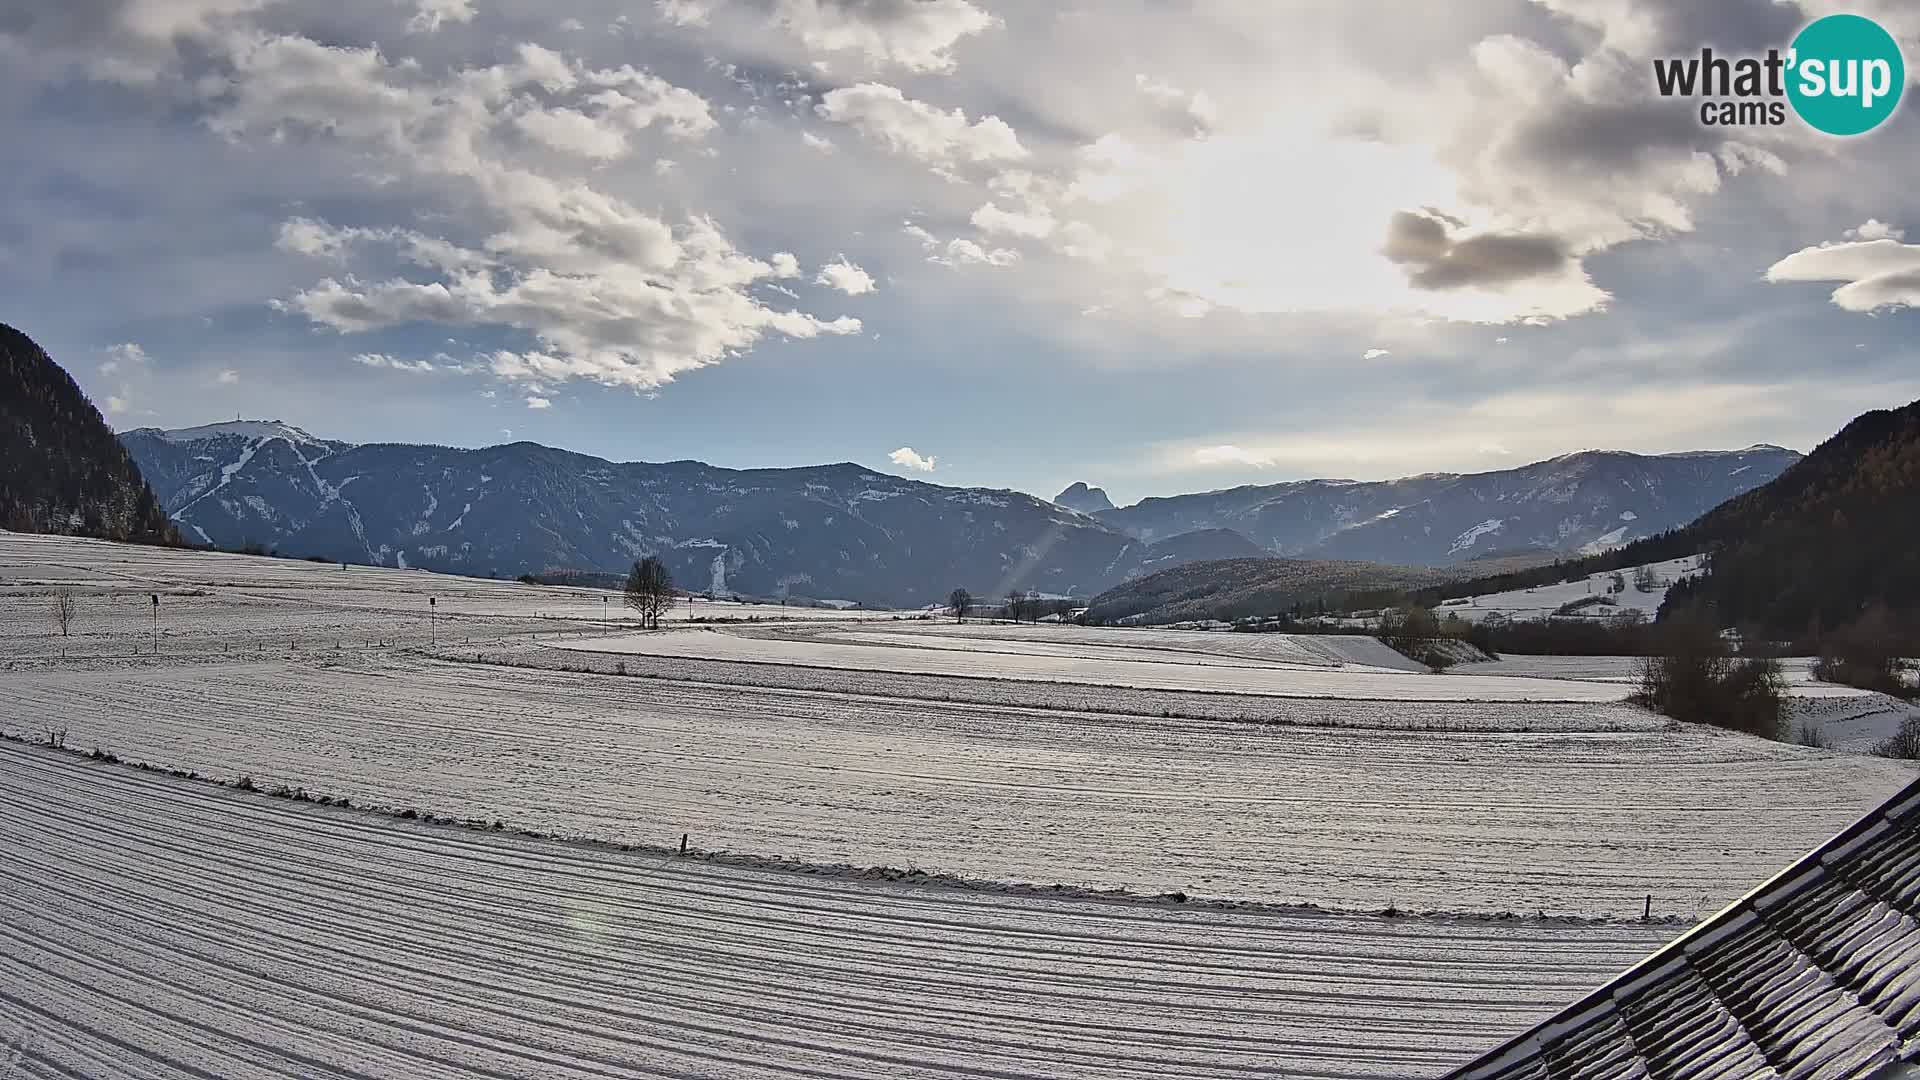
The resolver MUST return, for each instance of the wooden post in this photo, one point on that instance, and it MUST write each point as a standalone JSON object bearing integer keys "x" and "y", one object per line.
{"x": 1648, "y": 914}
{"x": 683, "y": 843}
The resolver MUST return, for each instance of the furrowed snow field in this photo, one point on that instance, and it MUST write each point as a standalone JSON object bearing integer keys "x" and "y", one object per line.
{"x": 162, "y": 928}
{"x": 1026, "y": 659}
{"x": 158, "y": 926}
{"x": 1561, "y": 821}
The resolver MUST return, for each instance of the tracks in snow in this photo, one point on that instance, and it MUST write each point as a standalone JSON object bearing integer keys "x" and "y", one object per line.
{"x": 155, "y": 927}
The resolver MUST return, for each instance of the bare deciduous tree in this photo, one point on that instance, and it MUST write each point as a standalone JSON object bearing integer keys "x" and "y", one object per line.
{"x": 958, "y": 601}
{"x": 650, "y": 591}
{"x": 63, "y": 609}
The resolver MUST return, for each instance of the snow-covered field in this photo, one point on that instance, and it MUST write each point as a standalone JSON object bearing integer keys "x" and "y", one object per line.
{"x": 1094, "y": 665}
{"x": 1565, "y": 821}
{"x": 1539, "y": 603}
{"x": 1797, "y": 670}
{"x": 159, "y": 928}
{"x": 214, "y": 602}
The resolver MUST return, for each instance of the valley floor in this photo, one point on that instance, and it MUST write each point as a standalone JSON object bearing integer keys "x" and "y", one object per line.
{"x": 154, "y": 925}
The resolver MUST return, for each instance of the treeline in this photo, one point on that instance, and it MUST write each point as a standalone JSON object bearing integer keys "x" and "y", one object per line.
{"x": 1835, "y": 539}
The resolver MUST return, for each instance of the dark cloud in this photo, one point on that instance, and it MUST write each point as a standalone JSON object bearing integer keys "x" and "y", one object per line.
{"x": 60, "y": 22}
{"x": 1728, "y": 26}
{"x": 1611, "y": 136}
{"x": 1436, "y": 259}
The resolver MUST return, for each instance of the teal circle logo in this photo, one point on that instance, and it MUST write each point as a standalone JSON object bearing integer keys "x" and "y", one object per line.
{"x": 1845, "y": 74}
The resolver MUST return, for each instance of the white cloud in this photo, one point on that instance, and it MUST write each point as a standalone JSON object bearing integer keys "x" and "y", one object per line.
{"x": 817, "y": 142}
{"x": 126, "y": 358}
{"x": 573, "y": 132}
{"x": 430, "y": 15}
{"x": 1033, "y": 223}
{"x": 1874, "y": 229}
{"x": 845, "y": 277}
{"x": 785, "y": 264}
{"x": 919, "y": 130}
{"x": 536, "y": 402}
{"x": 1229, "y": 454}
{"x": 908, "y": 458}
{"x": 227, "y": 377}
{"x": 305, "y": 236}
{"x": 612, "y": 292}
{"x": 117, "y": 404}
{"x": 683, "y": 12}
{"x": 917, "y": 35}
{"x": 1878, "y": 274}
{"x": 1192, "y": 111}
{"x": 392, "y": 363}
{"x": 959, "y": 251}
{"x": 1375, "y": 354}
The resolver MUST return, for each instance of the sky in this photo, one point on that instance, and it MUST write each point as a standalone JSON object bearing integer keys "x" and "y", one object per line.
{"x": 1153, "y": 245}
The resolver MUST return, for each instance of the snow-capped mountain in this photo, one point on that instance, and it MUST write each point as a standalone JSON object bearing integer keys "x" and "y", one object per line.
{"x": 1580, "y": 502}
{"x": 829, "y": 532}
{"x": 843, "y": 532}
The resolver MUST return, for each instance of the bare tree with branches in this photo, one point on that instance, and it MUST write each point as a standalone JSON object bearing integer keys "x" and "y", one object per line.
{"x": 63, "y": 610}
{"x": 958, "y": 601}
{"x": 649, "y": 591}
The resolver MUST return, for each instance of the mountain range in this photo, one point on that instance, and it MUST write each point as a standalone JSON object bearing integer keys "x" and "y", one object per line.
{"x": 844, "y": 532}
{"x": 1583, "y": 502}
{"x": 839, "y": 532}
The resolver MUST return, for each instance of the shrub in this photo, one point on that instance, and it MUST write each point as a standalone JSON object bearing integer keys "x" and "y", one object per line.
{"x": 1575, "y": 607}
{"x": 1415, "y": 633}
{"x": 1695, "y": 679}
{"x": 1805, "y": 734}
{"x": 1865, "y": 653}
{"x": 1903, "y": 744}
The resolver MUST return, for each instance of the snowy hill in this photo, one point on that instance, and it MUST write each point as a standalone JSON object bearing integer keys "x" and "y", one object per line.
{"x": 1605, "y": 595}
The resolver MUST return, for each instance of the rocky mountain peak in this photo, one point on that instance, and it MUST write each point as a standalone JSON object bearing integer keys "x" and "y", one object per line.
{"x": 1087, "y": 500}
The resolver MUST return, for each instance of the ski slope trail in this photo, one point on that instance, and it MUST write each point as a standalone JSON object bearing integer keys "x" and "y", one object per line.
{"x": 162, "y": 928}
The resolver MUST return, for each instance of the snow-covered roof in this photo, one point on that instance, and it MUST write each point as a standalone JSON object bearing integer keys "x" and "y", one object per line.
{"x": 1816, "y": 973}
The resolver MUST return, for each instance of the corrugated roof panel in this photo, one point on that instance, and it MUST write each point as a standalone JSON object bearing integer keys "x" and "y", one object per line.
{"x": 1815, "y": 975}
